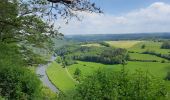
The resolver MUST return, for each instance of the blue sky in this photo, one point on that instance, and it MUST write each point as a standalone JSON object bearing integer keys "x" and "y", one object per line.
{"x": 118, "y": 7}
{"x": 122, "y": 16}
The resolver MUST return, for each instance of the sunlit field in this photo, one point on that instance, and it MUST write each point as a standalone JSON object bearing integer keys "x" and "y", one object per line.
{"x": 123, "y": 44}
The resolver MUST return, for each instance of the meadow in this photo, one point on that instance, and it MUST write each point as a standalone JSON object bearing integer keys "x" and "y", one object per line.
{"x": 63, "y": 77}
{"x": 123, "y": 44}
{"x": 60, "y": 78}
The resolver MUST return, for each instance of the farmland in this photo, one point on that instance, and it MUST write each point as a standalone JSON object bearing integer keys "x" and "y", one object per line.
{"x": 63, "y": 78}
{"x": 59, "y": 77}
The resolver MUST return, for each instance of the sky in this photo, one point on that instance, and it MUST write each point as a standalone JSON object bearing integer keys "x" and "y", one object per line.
{"x": 122, "y": 16}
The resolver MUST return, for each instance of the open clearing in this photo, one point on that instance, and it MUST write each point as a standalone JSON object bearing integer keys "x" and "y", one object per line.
{"x": 123, "y": 44}
{"x": 88, "y": 68}
{"x": 149, "y": 46}
{"x": 139, "y": 56}
{"x": 93, "y": 45}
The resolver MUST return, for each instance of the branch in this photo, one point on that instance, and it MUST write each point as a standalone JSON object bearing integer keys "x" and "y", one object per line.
{"x": 60, "y": 1}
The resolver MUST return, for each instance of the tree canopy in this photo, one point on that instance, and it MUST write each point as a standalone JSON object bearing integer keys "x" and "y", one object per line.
{"x": 121, "y": 85}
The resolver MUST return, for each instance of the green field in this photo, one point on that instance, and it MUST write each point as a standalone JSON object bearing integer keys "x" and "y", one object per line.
{"x": 60, "y": 78}
{"x": 63, "y": 77}
{"x": 93, "y": 45}
{"x": 156, "y": 68}
{"x": 151, "y": 46}
{"x": 87, "y": 68}
{"x": 139, "y": 56}
{"x": 123, "y": 44}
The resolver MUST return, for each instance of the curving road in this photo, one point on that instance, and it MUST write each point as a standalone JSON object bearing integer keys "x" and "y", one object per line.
{"x": 41, "y": 72}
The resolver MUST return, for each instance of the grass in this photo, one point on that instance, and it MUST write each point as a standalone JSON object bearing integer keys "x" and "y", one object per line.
{"x": 60, "y": 78}
{"x": 87, "y": 68}
{"x": 156, "y": 68}
{"x": 138, "y": 56}
{"x": 123, "y": 44}
{"x": 151, "y": 46}
{"x": 93, "y": 45}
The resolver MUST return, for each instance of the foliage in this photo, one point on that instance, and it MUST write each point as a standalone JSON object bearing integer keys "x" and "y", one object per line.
{"x": 77, "y": 74}
{"x": 106, "y": 55}
{"x": 120, "y": 85}
{"x": 58, "y": 60}
{"x": 167, "y": 76}
{"x": 166, "y": 45}
{"x": 47, "y": 94}
{"x": 104, "y": 44}
{"x": 18, "y": 83}
{"x": 143, "y": 46}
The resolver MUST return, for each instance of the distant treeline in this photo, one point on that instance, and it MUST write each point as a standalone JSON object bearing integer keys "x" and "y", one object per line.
{"x": 105, "y": 55}
{"x": 109, "y": 37}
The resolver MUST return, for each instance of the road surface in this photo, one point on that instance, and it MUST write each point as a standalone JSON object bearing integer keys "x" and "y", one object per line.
{"x": 41, "y": 72}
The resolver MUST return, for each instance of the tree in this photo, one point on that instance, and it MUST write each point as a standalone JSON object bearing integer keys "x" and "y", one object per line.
{"x": 105, "y": 85}
{"x": 59, "y": 60}
{"x": 77, "y": 74}
{"x": 30, "y": 24}
{"x": 143, "y": 46}
{"x": 18, "y": 83}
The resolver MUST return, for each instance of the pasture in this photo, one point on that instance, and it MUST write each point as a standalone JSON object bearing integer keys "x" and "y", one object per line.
{"x": 93, "y": 45}
{"x": 63, "y": 77}
{"x": 88, "y": 68}
{"x": 60, "y": 78}
{"x": 123, "y": 44}
{"x": 149, "y": 46}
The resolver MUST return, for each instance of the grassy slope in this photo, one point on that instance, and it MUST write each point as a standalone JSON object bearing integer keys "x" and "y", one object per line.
{"x": 87, "y": 68}
{"x": 150, "y": 45}
{"x": 62, "y": 80}
{"x": 123, "y": 44}
{"x": 93, "y": 45}
{"x": 60, "y": 77}
{"x": 156, "y": 68}
{"x": 145, "y": 57}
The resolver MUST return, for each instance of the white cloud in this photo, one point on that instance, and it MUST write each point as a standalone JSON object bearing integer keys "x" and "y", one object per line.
{"x": 155, "y": 18}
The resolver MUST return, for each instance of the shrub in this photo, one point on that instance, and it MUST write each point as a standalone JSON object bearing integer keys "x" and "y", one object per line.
{"x": 121, "y": 85}
{"x": 163, "y": 61}
{"x": 18, "y": 83}
{"x": 143, "y": 46}
{"x": 77, "y": 74}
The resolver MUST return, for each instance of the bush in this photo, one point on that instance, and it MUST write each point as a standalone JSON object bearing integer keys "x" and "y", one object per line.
{"x": 77, "y": 74}
{"x": 163, "y": 61}
{"x": 104, "y": 44}
{"x": 59, "y": 60}
{"x": 143, "y": 46}
{"x": 18, "y": 83}
{"x": 121, "y": 85}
